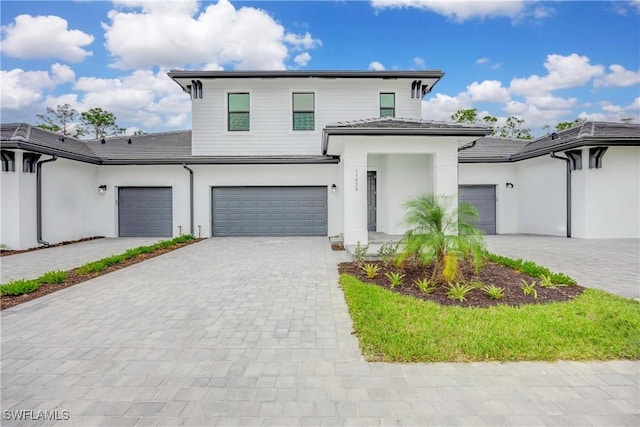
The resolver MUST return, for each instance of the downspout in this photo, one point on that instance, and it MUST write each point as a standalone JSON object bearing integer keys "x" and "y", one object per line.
{"x": 39, "y": 199}
{"x": 184, "y": 165}
{"x": 566, "y": 160}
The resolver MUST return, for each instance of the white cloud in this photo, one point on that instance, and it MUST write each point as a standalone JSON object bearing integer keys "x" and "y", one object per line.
{"x": 23, "y": 89}
{"x": 419, "y": 62}
{"x": 619, "y": 76}
{"x": 563, "y": 72}
{"x": 440, "y": 106}
{"x": 38, "y": 37}
{"x": 487, "y": 91}
{"x": 461, "y": 11}
{"x": 302, "y": 59}
{"x": 245, "y": 38}
{"x": 482, "y": 61}
{"x": 143, "y": 98}
{"x": 376, "y": 66}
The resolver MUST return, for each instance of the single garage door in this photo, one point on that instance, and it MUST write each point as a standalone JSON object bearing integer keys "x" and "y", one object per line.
{"x": 483, "y": 197}
{"x": 269, "y": 211}
{"x": 145, "y": 212}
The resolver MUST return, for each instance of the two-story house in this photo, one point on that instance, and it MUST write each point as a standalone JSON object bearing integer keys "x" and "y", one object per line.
{"x": 283, "y": 153}
{"x": 321, "y": 153}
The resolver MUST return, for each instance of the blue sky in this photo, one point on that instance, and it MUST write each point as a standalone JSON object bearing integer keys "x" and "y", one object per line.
{"x": 545, "y": 62}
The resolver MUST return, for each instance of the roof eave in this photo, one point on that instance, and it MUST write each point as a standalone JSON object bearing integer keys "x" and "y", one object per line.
{"x": 582, "y": 142}
{"x": 35, "y": 148}
{"x": 479, "y": 132}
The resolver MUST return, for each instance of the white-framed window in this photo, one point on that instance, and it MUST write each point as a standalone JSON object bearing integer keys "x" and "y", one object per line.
{"x": 303, "y": 111}
{"x": 238, "y": 110}
{"x": 387, "y": 104}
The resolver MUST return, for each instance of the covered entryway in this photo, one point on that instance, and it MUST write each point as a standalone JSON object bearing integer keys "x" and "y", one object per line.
{"x": 269, "y": 211}
{"x": 483, "y": 197}
{"x": 145, "y": 212}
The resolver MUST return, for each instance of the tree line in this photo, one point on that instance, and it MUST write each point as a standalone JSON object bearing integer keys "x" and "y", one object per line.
{"x": 95, "y": 122}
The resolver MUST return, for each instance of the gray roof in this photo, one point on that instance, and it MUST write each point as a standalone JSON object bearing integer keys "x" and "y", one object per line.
{"x": 423, "y": 74}
{"x": 154, "y": 148}
{"x": 584, "y": 135}
{"x": 491, "y": 149}
{"x": 399, "y": 123}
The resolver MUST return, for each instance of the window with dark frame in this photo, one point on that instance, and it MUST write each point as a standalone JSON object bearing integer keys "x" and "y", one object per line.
{"x": 303, "y": 111}
{"x": 387, "y": 105}
{"x": 238, "y": 107}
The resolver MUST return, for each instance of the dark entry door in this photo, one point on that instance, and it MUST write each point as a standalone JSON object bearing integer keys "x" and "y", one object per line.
{"x": 371, "y": 201}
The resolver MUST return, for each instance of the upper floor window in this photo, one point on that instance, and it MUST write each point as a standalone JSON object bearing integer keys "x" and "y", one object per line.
{"x": 387, "y": 105}
{"x": 303, "y": 111}
{"x": 238, "y": 111}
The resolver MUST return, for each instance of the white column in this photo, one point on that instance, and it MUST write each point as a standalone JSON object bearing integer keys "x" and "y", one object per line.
{"x": 354, "y": 191}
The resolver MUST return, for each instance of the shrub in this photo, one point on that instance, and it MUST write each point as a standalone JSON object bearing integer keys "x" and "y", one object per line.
{"x": 441, "y": 235}
{"x": 19, "y": 287}
{"x": 53, "y": 277}
{"x": 395, "y": 279}
{"x": 371, "y": 270}
{"x": 529, "y": 288}
{"x": 359, "y": 253}
{"x": 388, "y": 252}
{"x": 531, "y": 268}
{"x": 425, "y": 286}
{"x": 458, "y": 291}
{"x": 91, "y": 267}
{"x": 493, "y": 291}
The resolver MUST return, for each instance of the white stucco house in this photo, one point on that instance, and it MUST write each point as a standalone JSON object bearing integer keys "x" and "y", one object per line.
{"x": 289, "y": 153}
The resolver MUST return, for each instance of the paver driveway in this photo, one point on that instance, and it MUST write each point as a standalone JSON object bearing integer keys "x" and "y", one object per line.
{"x": 250, "y": 331}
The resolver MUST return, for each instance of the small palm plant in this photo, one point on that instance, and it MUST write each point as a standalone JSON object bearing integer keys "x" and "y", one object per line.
{"x": 442, "y": 235}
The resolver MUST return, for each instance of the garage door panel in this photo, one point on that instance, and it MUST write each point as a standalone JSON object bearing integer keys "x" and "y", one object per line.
{"x": 275, "y": 211}
{"x": 145, "y": 212}
{"x": 483, "y": 197}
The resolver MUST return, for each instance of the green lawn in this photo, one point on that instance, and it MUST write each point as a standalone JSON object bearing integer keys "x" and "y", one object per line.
{"x": 393, "y": 327}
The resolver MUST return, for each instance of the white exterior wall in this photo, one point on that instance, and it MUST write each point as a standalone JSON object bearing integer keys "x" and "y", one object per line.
{"x": 206, "y": 177}
{"x": 271, "y": 113}
{"x": 174, "y": 176}
{"x": 69, "y": 193}
{"x": 542, "y": 196}
{"x": 407, "y": 166}
{"x": 497, "y": 174}
{"x": 612, "y": 195}
{"x": 10, "y": 205}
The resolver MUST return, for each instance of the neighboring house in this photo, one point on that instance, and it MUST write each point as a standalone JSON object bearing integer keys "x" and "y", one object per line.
{"x": 582, "y": 182}
{"x": 293, "y": 153}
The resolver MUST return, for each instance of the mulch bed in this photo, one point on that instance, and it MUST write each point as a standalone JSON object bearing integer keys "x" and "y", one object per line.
{"x": 7, "y": 252}
{"x": 73, "y": 278}
{"x": 337, "y": 246}
{"x": 490, "y": 274}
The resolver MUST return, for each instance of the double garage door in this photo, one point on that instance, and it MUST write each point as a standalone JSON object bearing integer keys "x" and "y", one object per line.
{"x": 483, "y": 197}
{"x": 269, "y": 211}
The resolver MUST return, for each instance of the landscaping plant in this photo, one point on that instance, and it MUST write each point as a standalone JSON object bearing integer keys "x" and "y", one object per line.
{"x": 529, "y": 288}
{"x": 493, "y": 291}
{"x": 441, "y": 235}
{"x": 395, "y": 278}
{"x": 425, "y": 286}
{"x": 371, "y": 270}
{"x": 359, "y": 253}
{"x": 458, "y": 291}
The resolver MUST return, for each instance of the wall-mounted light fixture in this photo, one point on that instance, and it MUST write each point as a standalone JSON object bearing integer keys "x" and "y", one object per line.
{"x": 102, "y": 189}
{"x": 509, "y": 185}
{"x": 334, "y": 188}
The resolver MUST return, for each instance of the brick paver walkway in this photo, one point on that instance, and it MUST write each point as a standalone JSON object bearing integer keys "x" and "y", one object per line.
{"x": 255, "y": 331}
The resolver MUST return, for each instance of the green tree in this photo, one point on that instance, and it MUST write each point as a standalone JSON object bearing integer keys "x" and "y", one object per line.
{"x": 60, "y": 119}
{"x": 441, "y": 234}
{"x": 471, "y": 116}
{"x": 513, "y": 129}
{"x": 100, "y": 123}
{"x": 567, "y": 125}
{"x": 139, "y": 132}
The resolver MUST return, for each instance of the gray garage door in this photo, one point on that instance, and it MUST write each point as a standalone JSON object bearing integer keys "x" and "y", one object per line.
{"x": 269, "y": 211}
{"x": 145, "y": 212}
{"x": 483, "y": 197}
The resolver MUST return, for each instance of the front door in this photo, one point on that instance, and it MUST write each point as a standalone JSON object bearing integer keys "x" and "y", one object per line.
{"x": 371, "y": 201}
